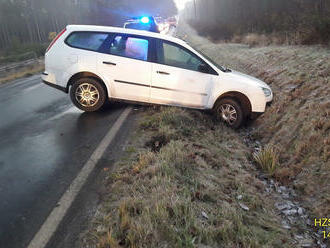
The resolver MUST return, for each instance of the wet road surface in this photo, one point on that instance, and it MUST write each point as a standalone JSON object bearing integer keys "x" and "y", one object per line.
{"x": 44, "y": 142}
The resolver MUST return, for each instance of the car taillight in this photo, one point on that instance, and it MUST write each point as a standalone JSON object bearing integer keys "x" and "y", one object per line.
{"x": 56, "y": 38}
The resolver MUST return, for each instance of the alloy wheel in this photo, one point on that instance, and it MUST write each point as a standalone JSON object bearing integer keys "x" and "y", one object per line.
{"x": 87, "y": 95}
{"x": 228, "y": 113}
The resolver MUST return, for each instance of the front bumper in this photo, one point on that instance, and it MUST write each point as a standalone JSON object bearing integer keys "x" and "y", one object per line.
{"x": 255, "y": 115}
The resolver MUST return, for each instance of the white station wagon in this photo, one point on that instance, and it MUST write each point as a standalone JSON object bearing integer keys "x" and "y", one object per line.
{"x": 95, "y": 63}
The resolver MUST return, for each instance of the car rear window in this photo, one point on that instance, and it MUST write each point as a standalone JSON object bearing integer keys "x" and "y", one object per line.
{"x": 87, "y": 40}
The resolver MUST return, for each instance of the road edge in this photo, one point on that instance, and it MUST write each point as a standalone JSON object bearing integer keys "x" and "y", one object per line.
{"x": 49, "y": 227}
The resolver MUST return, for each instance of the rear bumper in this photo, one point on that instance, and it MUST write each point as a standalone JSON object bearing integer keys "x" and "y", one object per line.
{"x": 65, "y": 90}
{"x": 49, "y": 79}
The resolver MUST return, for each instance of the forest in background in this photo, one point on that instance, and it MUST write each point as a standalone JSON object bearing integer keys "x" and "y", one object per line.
{"x": 286, "y": 21}
{"x": 25, "y": 24}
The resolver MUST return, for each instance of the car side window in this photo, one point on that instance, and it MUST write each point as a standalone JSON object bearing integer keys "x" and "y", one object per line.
{"x": 130, "y": 47}
{"x": 174, "y": 55}
{"x": 86, "y": 40}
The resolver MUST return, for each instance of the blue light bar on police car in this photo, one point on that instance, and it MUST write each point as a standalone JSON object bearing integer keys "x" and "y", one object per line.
{"x": 145, "y": 19}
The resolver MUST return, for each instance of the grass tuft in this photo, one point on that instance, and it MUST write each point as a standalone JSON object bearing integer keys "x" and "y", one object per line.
{"x": 267, "y": 159}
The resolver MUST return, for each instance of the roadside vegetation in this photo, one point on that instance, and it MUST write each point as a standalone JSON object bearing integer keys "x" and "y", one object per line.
{"x": 21, "y": 60}
{"x": 262, "y": 22}
{"x": 298, "y": 122}
{"x": 188, "y": 181}
{"x": 185, "y": 181}
{"x": 31, "y": 21}
{"x": 23, "y": 71}
{"x": 18, "y": 53}
{"x": 28, "y": 26}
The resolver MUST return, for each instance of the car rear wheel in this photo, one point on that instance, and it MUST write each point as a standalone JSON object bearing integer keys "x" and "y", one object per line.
{"x": 230, "y": 111}
{"x": 88, "y": 94}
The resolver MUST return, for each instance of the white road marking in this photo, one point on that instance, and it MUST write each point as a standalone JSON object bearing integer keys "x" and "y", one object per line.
{"x": 69, "y": 111}
{"x": 52, "y": 222}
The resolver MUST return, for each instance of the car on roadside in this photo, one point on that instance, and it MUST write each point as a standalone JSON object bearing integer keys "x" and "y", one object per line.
{"x": 161, "y": 24}
{"x": 95, "y": 64}
{"x": 172, "y": 21}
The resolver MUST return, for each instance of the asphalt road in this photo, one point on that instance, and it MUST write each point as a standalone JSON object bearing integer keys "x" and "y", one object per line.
{"x": 44, "y": 143}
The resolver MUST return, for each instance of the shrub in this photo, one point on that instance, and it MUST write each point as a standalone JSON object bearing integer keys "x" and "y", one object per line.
{"x": 236, "y": 39}
{"x": 51, "y": 36}
{"x": 253, "y": 39}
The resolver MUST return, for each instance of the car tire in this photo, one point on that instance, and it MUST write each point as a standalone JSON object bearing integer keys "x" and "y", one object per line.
{"x": 88, "y": 94}
{"x": 229, "y": 111}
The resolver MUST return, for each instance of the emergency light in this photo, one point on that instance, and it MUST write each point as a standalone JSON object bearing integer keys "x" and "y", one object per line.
{"x": 145, "y": 19}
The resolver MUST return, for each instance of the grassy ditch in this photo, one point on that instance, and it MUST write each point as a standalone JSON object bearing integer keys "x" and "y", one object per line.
{"x": 185, "y": 181}
{"x": 298, "y": 122}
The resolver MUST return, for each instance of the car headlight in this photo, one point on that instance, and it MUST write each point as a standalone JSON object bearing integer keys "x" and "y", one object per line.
{"x": 267, "y": 92}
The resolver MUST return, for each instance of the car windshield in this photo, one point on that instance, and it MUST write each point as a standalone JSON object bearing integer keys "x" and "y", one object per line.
{"x": 222, "y": 68}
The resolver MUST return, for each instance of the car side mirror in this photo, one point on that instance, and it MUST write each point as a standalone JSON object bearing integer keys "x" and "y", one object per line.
{"x": 203, "y": 68}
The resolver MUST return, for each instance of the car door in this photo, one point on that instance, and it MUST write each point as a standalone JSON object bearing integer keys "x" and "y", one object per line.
{"x": 177, "y": 78}
{"x": 124, "y": 63}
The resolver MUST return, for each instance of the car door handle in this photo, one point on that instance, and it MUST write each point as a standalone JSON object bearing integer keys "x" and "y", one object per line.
{"x": 163, "y": 72}
{"x": 109, "y": 63}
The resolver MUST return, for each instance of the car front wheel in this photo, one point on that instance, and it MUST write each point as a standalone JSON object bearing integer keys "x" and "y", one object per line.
{"x": 88, "y": 94}
{"x": 230, "y": 111}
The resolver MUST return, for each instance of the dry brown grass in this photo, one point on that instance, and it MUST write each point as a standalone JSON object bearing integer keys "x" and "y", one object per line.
{"x": 256, "y": 39}
{"x": 286, "y": 38}
{"x": 184, "y": 194}
{"x": 178, "y": 183}
{"x": 22, "y": 72}
{"x": 298, "y": 121}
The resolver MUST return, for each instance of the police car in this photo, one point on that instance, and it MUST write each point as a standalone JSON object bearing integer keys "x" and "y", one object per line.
{"x": 146, "y": 23}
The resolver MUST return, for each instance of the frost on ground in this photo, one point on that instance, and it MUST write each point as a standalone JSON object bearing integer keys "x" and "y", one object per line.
{"x": 298, "y": 122}
{"x": 187, "y": 181}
